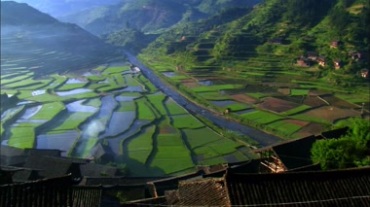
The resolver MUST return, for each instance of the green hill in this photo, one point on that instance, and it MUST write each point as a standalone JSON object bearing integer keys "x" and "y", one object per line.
{"x": 149, "y": 15}
{"x": 45, "y": 43}
{"x": 289, "y": 67}
{"x": 280, "y": 28}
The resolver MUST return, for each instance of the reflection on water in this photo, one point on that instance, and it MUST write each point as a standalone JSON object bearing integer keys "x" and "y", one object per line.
{"x": 125, "y": 98}
{"x": 169, "y": 74}
{"x": 30, "y": 112}
{"x": 76, "y": 80}
{"x": 73, "y": 92}
{"x": 224, "y": 103}
{"x": 78, "y": 107}
{"x": 205, "y": 82}
{"x": 245, "y": 111}
{"x": 119, "y": 123}
{"x": 63, "y": 141}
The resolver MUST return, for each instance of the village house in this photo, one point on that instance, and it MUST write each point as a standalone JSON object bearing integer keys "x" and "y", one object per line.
{"x": 302, "y": 62}
{"x": 321, "y": 61}
{"x": 335, "y": 44}
{"x": 337, "y": 64}
{"x": 364, "y": 73}
{"x": 311, "y": 55}
{"x": 355, "y": 56}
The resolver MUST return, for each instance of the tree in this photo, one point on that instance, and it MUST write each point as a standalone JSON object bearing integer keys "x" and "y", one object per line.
{"x": 351, "y": 150}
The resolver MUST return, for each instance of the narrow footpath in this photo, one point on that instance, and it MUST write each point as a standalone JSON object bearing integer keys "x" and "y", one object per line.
{"x": 263, "y": 138}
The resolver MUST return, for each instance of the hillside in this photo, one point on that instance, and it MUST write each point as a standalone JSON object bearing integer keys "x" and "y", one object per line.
{"x": 291, "y": 69}
{"x": 45, "y": 43}
{"x": 58, "y": 8}
{"x": 149, "y": 15}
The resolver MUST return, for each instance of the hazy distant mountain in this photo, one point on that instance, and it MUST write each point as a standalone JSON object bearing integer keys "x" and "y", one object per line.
{"x": 58, "y": 8}
{"x": 150, "y": 15}
{"x": 49, "y": 44}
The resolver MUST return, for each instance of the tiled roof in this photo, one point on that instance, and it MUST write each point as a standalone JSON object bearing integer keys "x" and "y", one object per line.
{"x": 50, "y": 167}
{"x": 349, "y": 187}
{"x": 205, "y": 192}
{"x": 96, "y": 170}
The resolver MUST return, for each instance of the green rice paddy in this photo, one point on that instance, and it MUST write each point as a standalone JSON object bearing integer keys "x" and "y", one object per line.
{"x": 161, "y": 136}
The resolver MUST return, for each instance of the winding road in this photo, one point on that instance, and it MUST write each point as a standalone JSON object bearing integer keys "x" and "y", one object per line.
{"x": 259, "y": 136}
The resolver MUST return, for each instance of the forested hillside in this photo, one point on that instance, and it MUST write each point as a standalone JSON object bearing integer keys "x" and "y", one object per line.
{"x": 336, "y": 30}
{"x": 150, "y": 15}
{"x": 45, "y": 43}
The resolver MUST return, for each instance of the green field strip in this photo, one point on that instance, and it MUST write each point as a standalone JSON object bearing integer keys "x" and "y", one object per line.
{"x": 22, "y": 135}
{"x": 186, "y": 121}
{"x": 257, "y": 95}
{"x": 224, "y": 146}
{"x": 113, "y": 70}
{"x": 201, "y": 137}
{"x": 216, "y": 87}
{"x": 23, "y": 84}
{"x": 126, "y": 106}
{"x": 120, "y": 80}
{"x": 147, "y": 84}
{"x": 48, "y": 111}
{"x": 130, "y": 81}
{"x": 144, "y": 110}
{"x": 46, "y": 97}
{"x": 213, "y": 96}
{"x": 72, "y": 122}
{"x": 212, "y": 161}
{"x": 72, "y": 86}
{"x": 237, "y": 107}
{"x": 86, "y": 146}
{"x": 260, "y": 117}
{"x": 141, "y": 147}
{"x": 174, "y": 108}
{"x": 95, "y": 102}
{"x": 295, "y": 110}
{"x": 96, "y": 78}
{"x": 157, "y": 100}
{"x": 305, "y": 117}
{"x": 6, "y": 81}
{"x": 283, "y": 127}
{"x": 299, "y": 92}
{"x": 172, "y": 155}
{"x": 86, "y": 95}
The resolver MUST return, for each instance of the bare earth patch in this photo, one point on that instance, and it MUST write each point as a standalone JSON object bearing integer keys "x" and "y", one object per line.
{"x": 244, "y": 98}
{"x": 297, "y": 122}
{"x": 310, "y": 129}
{"x": 277, "y": 105}
{"x": 313, "y": 101}
{"x": 334, "y": 101}
{"x": 332, "y": 113}
{"x": 190, "y": 83}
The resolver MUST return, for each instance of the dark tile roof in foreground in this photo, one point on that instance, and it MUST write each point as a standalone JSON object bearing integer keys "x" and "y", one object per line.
{"x": 350, "y": 187}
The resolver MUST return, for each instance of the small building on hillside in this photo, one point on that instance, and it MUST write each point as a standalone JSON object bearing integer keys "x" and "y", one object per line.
{"x": 321, "y": 61}
{"x": 337, "y": 64}
{"x": 302, "y": 62}
{"x": 336, "y": 44}
{"x": 355, "y": 56}
{"x": 311, "y": 55}
{"x": 364, "y": 73}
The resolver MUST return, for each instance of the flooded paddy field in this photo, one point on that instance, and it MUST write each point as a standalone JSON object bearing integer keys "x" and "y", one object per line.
{"x": 113, "y": 116}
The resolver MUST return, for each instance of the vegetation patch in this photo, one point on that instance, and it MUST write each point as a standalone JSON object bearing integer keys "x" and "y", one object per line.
{"x": 141, "y": 146}
{"x": 186, "y": 121}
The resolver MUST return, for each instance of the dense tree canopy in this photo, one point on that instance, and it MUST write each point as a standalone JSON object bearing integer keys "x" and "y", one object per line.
{"x": 351, "y": 150}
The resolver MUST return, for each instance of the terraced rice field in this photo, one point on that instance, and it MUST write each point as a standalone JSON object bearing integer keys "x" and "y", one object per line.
{"x": 260, "y": 88}
{"x": 112, "y": 116}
